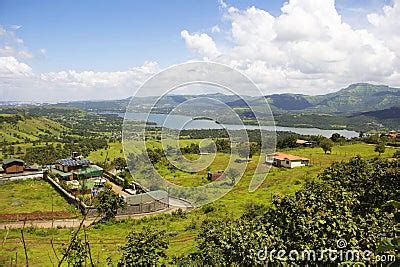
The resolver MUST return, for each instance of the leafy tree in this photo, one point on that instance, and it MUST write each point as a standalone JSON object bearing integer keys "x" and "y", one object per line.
{"x": 226, "y": 242}
{"x": 154, "y": 155}
{"x": 287, "y": 141}
{"x": 77, "y": 253}
{"x": 107, "y": 202}
{"x": 191, "y": 149}
{"x": 380, "y": 148}
{"x": 223, "y": 145}
{"x": 243, "y": 150}
{"x": 119, "y": 163}
{"x": 326, "y": 145}
{"x": 396, "y": 154}
{"x": 144, "y": 248}
{"x": 337, "y": 138}
{"x": 255, "y": 148}
{"x": 232, "y": 174}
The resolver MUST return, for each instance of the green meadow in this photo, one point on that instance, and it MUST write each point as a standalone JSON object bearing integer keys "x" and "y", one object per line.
{"x": 28, "y": 129}
{"x": 31, "y": 196}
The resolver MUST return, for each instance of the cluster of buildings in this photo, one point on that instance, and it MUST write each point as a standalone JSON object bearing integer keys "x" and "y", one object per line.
{"x": 76, "y": 168}
{"x": 77, "y": 171}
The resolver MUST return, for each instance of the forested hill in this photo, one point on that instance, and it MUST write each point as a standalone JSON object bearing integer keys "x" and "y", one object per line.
{"x": 17, "y": 128}
{"x": 360, "y": 97}
{"x": 356, "y": 98}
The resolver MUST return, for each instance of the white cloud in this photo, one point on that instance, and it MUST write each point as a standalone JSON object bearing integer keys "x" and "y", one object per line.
{"x": 308, "y": 48}
{"x": 215, "y": 29}
{"x": 200, "y": 43}
{"x": 10, "y": 67}
{"x": 386, "y": 26}
{"x": 18, "y": 82}
{"x": 86, "y": 79}
{"x": 11, "y": 44}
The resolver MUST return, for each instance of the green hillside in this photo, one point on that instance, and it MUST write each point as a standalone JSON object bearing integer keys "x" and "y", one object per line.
{"x": 16, "y": 128}
{"x": 360, "y": 97}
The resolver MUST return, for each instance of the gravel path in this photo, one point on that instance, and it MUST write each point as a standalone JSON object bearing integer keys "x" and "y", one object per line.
{"x": 71, "y": 223}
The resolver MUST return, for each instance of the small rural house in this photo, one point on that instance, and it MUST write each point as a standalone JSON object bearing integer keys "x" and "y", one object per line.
{"x": 215, "y": 176}
{"x": 305, "y": 143}
{"x": 11, "y": 166}
{"x": 286, "y": 160}
{"x": 16, "y": 169}
{"x": 392, "y": 134}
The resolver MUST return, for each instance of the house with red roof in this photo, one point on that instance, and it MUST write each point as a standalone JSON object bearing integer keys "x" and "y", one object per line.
{"x": 286, "y": 160}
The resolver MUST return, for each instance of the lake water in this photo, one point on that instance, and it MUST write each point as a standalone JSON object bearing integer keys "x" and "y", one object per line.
{"x": 186, "y": 122}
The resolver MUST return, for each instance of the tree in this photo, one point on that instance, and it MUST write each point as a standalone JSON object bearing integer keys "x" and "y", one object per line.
{"x": 287, "y": 141}
{"x": 337, "y": 138}
{"x": 232, "y": 174}
{"x": 144, "y": 248}
{"x": 244, "y": 151}
{"x": 107, "y": 202}
{"x": 223, "y": 145}
{"x": 380, "y": 148}
{"x": 396, "y": 154}
{"x": 77, "y": 253}
{"x": 193, "y": 148}
{"x": 326, "y": 145}
{"x": 119, "y": 163}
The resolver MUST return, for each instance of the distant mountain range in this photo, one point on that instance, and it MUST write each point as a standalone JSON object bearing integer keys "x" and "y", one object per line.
{"x": 360, "y": 107}
{"x": 356, "y": 98}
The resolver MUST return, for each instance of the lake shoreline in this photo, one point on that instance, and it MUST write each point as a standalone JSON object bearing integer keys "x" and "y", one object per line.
{"x": 179, "y": 120}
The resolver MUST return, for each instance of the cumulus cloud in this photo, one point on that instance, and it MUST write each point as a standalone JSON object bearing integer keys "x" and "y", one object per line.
{"x": 200, "y": 43}
{"x": 11, "y": 44}
{"x": 308, "y": 48}
{"x": 10, "y": 67}
{"x": 132, "y": 77}
{"x": 69, "y": 85}
{"x": 215, "y": 29}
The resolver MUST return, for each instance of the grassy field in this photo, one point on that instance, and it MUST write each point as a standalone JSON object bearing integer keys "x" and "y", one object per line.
{"x": 28, "y": 129}
{"x": 106, "y": 238}
{"x": 114, "y": 151}
{"x": 31, "y": 196}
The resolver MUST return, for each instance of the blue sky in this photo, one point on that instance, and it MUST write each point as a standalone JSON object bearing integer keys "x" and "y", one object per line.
{"x": 110, "y": 36}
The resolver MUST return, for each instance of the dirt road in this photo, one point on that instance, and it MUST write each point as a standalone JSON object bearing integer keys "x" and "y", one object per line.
{"x": 71, "y": 223}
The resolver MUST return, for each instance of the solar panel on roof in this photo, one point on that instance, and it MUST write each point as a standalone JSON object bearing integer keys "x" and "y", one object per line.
{"x": 71, "y": 162}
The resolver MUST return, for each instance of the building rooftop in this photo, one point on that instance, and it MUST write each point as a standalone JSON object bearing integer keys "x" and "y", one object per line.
{"x": 73, "y": 162}
{"x": 283, "y": 156}
{"x": 91, "y": 168}
{"x": 8, "y": 161}
{"x": 303, "y": 142}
